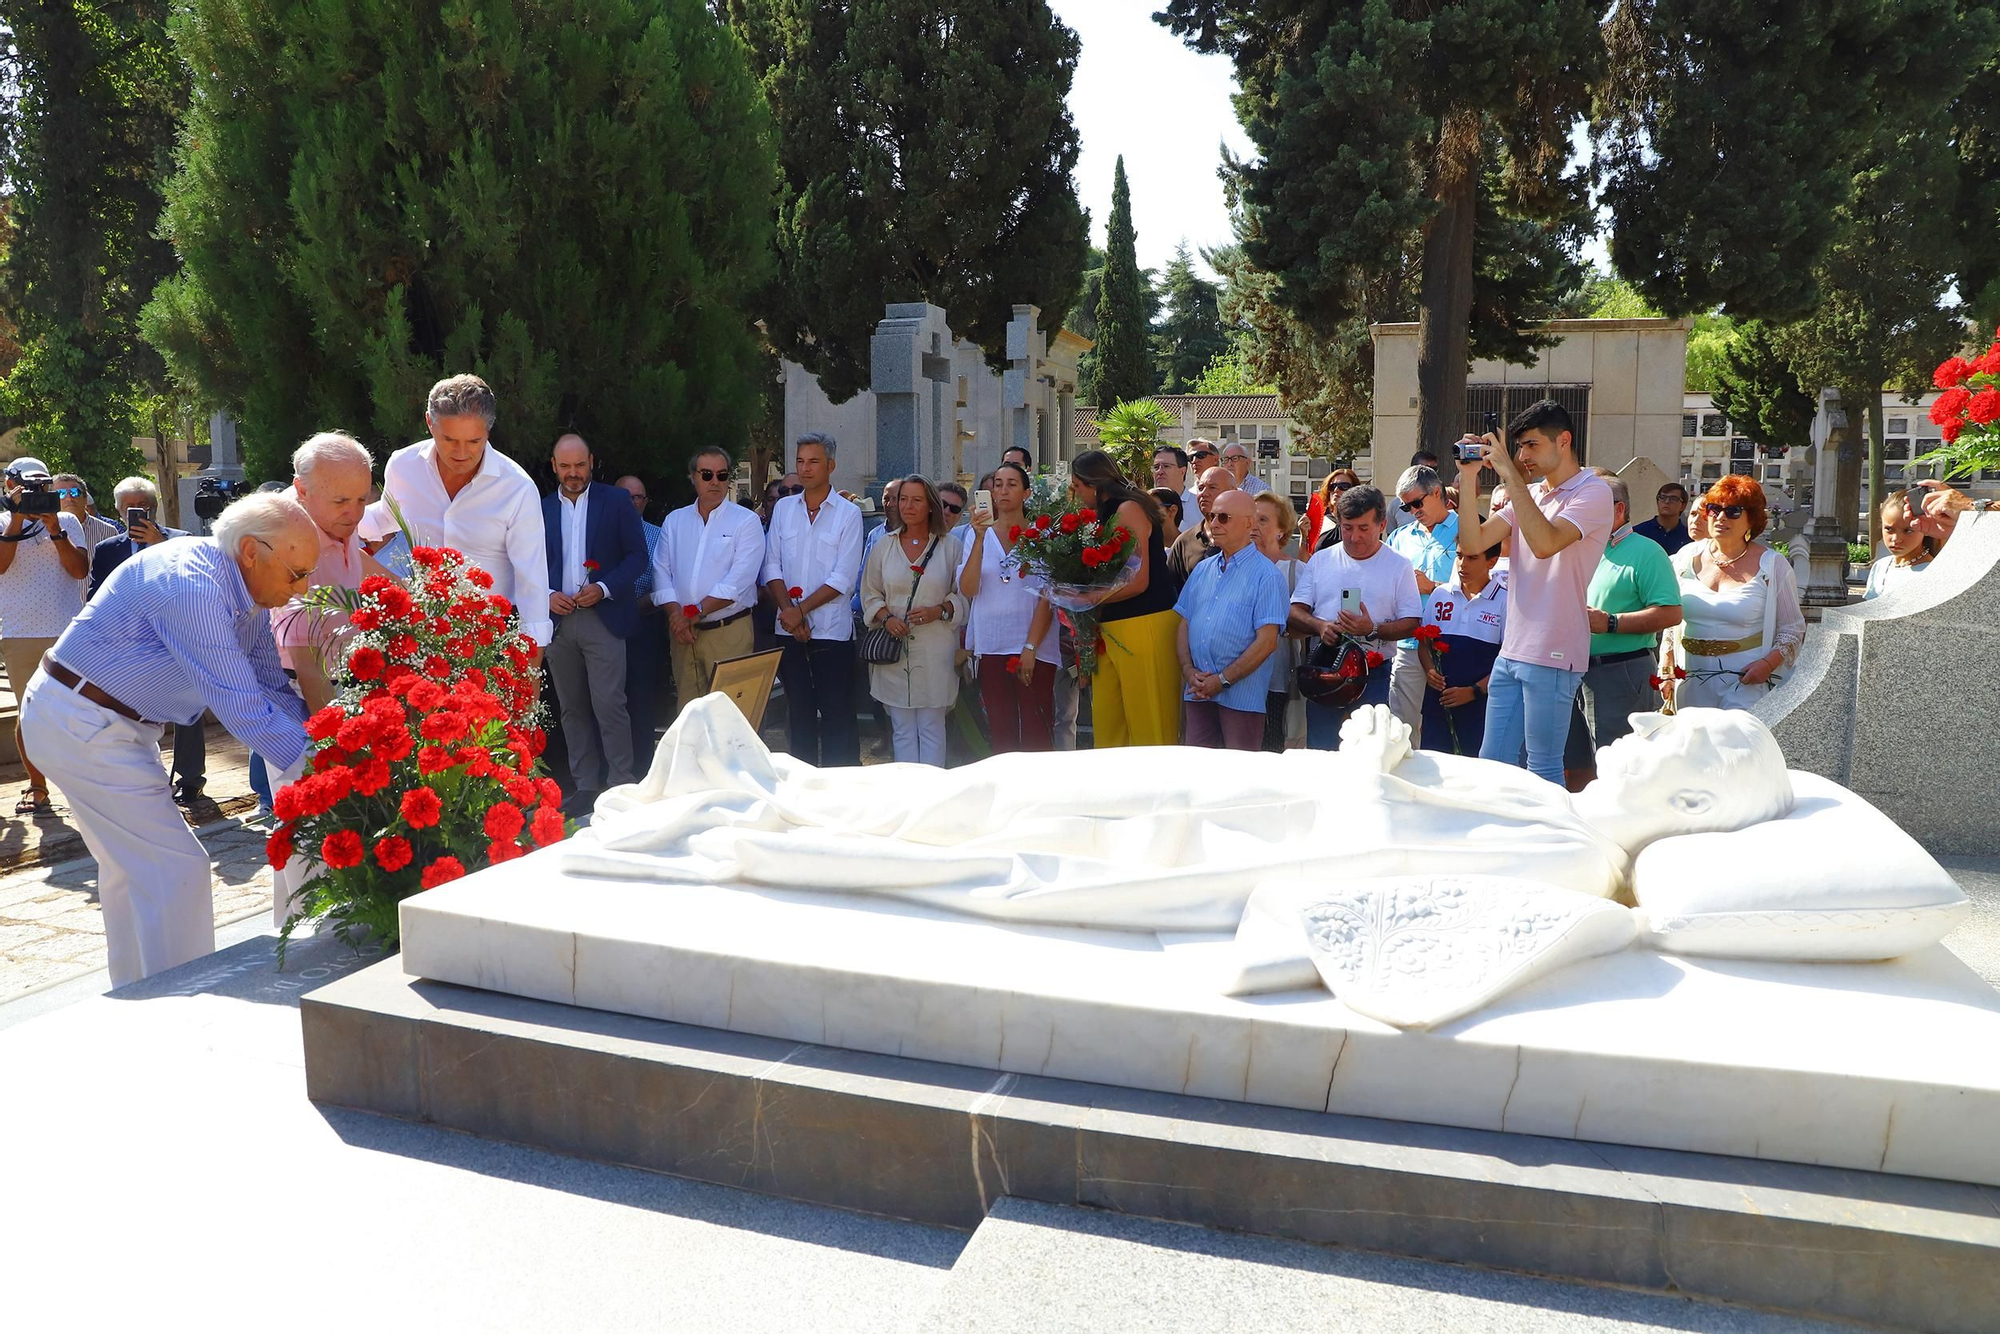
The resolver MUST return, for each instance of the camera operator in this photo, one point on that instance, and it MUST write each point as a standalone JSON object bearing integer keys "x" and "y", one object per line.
{"x": 43, "y": 567}
{"x": 1559, "y": 526}
{"x": 181, "y": 628}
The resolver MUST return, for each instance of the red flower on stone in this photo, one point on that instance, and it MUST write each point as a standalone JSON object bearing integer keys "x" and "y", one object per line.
{"x": 341, "y": 849}
{"x": 422, "y": 806}
{"x": 441, "y": 872}
{"x": 504, "y": 820}
{"x": 278, "y": 847}
{"x": 393, "y": 853}
{"x": 546, "y": 827}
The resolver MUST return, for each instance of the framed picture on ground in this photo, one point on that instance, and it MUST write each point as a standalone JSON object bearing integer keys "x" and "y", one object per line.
{"x": 747, "y": 680}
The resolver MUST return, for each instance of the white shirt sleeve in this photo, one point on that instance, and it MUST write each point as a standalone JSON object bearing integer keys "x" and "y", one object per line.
{"x": 528, "y": 553}
{"x": 774, "y": 565}
{"x": 663, "y": 566}
{"x": 1304, "y": 592}
{"x": 845, "y": 572}
{"x": 1409, "y": 602}
{"x": 739, "y": 581}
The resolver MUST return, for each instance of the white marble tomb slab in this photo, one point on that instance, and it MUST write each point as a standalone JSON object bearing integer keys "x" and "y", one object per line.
{"x": 1878, "y": 1066}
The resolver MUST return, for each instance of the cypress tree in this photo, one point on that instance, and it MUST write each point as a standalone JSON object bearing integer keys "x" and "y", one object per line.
{"x": 1756, "y": 386}
{"x": 571, "y": 198}
{"x": 1124, "y": 367}
{"x": 86, "y": 144}
{"x": 926, "y": 154}
{"x": 1190, "y": 333}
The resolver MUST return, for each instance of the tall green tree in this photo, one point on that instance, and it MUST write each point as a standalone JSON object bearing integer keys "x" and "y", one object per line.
{"x": 1975, "y": 121}
{"x": 1758, "y": 389}
{"x": 572, "y": 198}
{"x": 1726, "y": 132}
{"x": 1385, "y": 128}
{"x": 926, "y": 154}
{"x": 1123, "y": 361}
{"x": 88, "y": 136}
{"x": 1190, "y": 334}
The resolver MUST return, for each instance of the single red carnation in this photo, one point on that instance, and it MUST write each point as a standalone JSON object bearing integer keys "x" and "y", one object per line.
{"x": 1043, "y": 522}
{"x": 1990, "y": 363}
{"x": 437, "y": 667}
{"x": 440, "y": 626}
{"x": 441, "y": 872}
{"x": 1950, "y": 431}
{"x": 1090, "y": 558}
{"x": 422, "y": 807}
{"x": 357, "y": 732}
{"x": 1088, "y": 516}
{"x": 1950, "y": 406}
{"x": 322, "y": 725}
{"x": 341, "y": 850}
{"x": 289, "y": 803}
{"x": 1014, "y": 663}
{"x": 376, "y": 584}
{"x": 1014, "y": 533}
{"x": 504, "y": 820}
{"x": 691, "y": 611}
{"x": 1654, "y": 681}
{"x": 504, "y": 850}
{"x": 394, "y": 853}
{"x": 278, "y": 847}
{"x": 371, "y": 775}
{"x": 1952, "y": 372}
{"x": 425, "y": 696}
{"x": 795, "y": 593}
{"x": 1985, "y": 407}
{"x": 366, "y": 618}
{"x": 1069, "y": 523}
{"x": 546, "y": 827}
{"x": 1680, "y": 673}
{"x": 1440, "y": 648}
{"x": 404, "y": 646}
{"x": 395, "y": 743}
{"x": 434, "y": 759}
{"x": 395, "y": 603}
{"x": 1374, "y": 659}
{"x": 444, "y": 725}
{"x": 551, "y": 793}
{"x": 479, "y": 577}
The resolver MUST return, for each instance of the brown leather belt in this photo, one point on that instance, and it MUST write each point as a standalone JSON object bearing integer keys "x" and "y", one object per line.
{"x": 95, "y": 694}
{"x": 727, "y": 620}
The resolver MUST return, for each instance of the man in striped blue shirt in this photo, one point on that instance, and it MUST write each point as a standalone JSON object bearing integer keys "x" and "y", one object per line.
{"x": 181, "y": 627}
{"x": 1233, "y": 609}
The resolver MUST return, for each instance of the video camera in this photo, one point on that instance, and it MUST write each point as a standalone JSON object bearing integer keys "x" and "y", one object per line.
{"x": 38, "y": 494}
{"x": 213, "y": 494}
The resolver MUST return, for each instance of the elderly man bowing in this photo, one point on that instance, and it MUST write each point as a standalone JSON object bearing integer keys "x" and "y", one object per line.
{"x": 179, "y": 628}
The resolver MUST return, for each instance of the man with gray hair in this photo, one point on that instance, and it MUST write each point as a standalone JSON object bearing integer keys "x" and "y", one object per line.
{"x": 456, "y": 490}
{"x": 331, "y": 475}
{"x": 1428, "y": 539}
{"x": 812, "y": 565}
{"x": 180, "y": 628}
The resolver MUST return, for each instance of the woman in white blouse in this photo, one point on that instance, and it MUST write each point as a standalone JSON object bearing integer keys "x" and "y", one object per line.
{"x": 1008, "y": 629}
{"x": 909, "y": 586}
{"x": 1741, "y": 604}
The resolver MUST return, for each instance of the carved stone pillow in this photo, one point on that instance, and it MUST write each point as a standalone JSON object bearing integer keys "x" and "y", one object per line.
{"x": 1834, "y": 880}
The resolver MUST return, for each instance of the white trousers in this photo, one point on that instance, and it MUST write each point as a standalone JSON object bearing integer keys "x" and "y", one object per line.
{"x": 1406, "y": 688}
{"x": 918, "y": 734}
{"x": 153, "y": 879}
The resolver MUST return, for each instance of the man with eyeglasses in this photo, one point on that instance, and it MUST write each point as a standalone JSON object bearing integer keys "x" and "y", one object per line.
{"x": 1232, "y": 612}
{"x": 1170, "y": 470}
{"x": 1429, "y": 541}
{"x": 645, "y": 646}
{"x": 953, "y": 498}
{"x": 179, "y": 628}
{"x": 706, "y": 576}
{"x": 44, "y": 567}
{"x": 1668, "y": 526}
{"x": 1236, "y": 458}
{"x": 1195, "y": 545}
{"x": 596, "y": 551}
{"x": 1201, "y": 456}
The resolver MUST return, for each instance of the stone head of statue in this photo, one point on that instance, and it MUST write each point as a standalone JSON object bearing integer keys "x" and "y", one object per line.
{"x": 1696, "y": 771}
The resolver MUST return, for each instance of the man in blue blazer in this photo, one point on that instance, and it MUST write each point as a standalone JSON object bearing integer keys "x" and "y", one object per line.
{"x": 597, "y": 551}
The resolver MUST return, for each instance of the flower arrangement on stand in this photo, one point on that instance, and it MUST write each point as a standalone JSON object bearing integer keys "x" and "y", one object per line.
{"x": 1079, "y": 558}
{"x": 1967, "y": 413}
{"x": 426, "y": 767}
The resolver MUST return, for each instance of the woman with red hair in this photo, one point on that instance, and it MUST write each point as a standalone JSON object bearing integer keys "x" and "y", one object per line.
{"x": 1741, "y": 605}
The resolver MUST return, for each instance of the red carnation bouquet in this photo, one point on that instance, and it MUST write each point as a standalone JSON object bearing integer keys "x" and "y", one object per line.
{"x": 426, "y": 766}
{"x": 1079, "y": 557}
{"x": 1967, "y": 413}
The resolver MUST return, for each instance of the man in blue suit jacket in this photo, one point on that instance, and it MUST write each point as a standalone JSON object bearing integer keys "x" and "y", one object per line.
{"x": 597, "y": 551}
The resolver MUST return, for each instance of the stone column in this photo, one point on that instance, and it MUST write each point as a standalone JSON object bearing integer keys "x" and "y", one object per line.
{"x": 916, "y": 397}
{"x": 1065, "y": 424}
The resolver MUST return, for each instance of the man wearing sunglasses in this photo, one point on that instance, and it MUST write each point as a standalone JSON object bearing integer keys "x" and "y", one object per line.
{"x": 1428, "y": 539}
{"x": 596, "y": 553}
{"x": 1559, "y": 526}
{"x": 706, "y": 576}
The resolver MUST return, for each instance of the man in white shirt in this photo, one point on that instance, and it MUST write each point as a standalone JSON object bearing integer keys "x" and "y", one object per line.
{"x": 705, "y": 572}
{"x": 455, "y": 490}
{"x": 44, "y": 567}
{"x": 596, "y": 555}
{"x": 1384, "y": 606}
{"x": 812, "y": 565}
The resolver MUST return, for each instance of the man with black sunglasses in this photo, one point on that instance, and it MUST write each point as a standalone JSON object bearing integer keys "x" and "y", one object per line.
{"x": 705, "y": 575}
{"x": 1429, "y": 541}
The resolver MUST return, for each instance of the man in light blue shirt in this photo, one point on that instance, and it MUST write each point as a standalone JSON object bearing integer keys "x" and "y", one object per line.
{"x": 1428, "y": 539}
{"x": 1232, "y": 609}
{"x": 181, "y": 627}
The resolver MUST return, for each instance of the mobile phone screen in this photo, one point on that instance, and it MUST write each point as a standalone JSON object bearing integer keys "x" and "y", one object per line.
{"x": 134, "y": 517}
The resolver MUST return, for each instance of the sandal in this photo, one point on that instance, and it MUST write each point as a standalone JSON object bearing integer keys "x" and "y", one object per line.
{"x": 35, "y": 801}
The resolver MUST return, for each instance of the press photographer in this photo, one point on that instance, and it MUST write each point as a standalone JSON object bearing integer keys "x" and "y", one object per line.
{"x": 43, "y": 566}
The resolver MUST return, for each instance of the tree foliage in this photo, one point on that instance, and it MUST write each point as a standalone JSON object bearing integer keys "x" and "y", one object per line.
{"x": 88, "y": 135}
{"x": 926, "y": 154}
{"x": 1231, "y": 372}
{"x": 1975, "y": 122}
{"x": 1130, "y": 431}
{"x": 1757, "y": 388}
{"x": 1123, "y": 355}
{"x": 1189, "y": 335}
{"x": 572, "y": 198}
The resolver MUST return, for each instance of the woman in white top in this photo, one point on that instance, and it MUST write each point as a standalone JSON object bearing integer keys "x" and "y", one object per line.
{"x": 909, "y": 586}
{"x": 1284, "y": 707}
{"x": 1907, "y": 551}
{"x": 1741, "y": 603}
{"x": 1008, "y": 625}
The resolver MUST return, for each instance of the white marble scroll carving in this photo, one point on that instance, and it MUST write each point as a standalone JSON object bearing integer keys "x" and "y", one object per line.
{"x": 1417, "y": 952}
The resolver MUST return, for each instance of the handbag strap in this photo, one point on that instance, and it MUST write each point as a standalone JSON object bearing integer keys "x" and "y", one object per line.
{"x": 918, "y": 578}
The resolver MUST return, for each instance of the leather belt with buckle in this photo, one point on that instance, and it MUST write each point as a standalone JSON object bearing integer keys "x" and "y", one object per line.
{"x": 94, "y": 693}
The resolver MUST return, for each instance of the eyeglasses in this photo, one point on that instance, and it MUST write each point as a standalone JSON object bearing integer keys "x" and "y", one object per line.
{"x": 950, "y": 508}
{"x": 297, "y": 576}
{"x": 712, "y": 474}
{"x": 1726, "y": 511}
{"x": 1202, "y": 454}
{"x": 1220, "y": 518}
{"x": 1410, "y": 506}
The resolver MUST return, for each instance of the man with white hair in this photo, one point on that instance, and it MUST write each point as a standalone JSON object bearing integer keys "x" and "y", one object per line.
{"x": 180, "y": 628}
{"x": 331, "y": 475}
{"x": 456, "y": 490}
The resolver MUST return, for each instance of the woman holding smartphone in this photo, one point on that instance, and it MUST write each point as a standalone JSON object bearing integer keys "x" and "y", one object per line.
{"x": 1010, "y": 626}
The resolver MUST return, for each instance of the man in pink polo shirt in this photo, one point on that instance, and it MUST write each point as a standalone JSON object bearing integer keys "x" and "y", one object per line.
{"x": 1560, "y": 520}
{"x": 331, "y": 474}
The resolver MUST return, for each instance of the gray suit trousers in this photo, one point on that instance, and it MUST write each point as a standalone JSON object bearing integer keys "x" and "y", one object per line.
{"x": 588, "y": 664}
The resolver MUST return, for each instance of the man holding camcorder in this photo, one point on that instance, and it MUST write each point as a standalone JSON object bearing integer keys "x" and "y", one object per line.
{"x": 43, "y": 567}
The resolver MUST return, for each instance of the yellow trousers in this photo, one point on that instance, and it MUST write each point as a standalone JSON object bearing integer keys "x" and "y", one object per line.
{"x": 1135, "y": 698}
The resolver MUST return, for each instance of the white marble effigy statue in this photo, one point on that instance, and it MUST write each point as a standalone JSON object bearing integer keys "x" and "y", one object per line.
{"x": 1416, "y": 885}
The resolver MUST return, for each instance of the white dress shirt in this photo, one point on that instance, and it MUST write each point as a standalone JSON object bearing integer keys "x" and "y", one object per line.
{"x": 575, "y": 515}
{"x": 808, "y": 554}
{"x": 719, "y": 558}
{"x": 495, "y": 520}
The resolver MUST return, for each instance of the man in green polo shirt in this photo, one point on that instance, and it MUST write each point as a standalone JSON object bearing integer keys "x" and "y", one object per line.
{"x": 1633, "y": 597}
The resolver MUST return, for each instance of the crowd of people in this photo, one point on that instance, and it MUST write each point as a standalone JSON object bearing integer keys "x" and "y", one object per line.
{"x": 1530, "y": 634}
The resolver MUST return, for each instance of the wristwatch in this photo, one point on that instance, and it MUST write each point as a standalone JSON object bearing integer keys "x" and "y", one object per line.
{"x": 1611, "y": 624}
{"x": 1223, "y": 677}
{"x": 946, "y": 611}
{"x": 1029, "y": 649}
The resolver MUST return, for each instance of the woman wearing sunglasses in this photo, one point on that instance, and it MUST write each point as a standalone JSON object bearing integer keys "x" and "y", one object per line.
{"x": 1741, "y": 603}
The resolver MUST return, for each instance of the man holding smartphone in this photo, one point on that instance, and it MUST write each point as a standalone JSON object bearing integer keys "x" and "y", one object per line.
{"x": 1560, "y": 518}
{"x": 1362, "y": 589}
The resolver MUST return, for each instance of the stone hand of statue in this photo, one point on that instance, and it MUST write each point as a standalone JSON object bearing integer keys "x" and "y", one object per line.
{"x": 1376, "y": 735}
